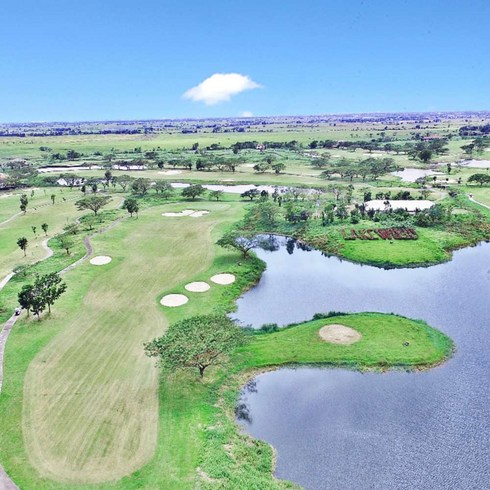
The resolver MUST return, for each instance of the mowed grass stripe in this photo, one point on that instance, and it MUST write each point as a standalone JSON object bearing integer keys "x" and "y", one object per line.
{"x": 90, "y": 397}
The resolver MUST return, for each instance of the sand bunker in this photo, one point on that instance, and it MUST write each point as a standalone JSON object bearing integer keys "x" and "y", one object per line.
{"x": 198, "y": 214}
{"x": 339, "y": 334}
{"x": 173, "y": 300}
{"x": 187, "y": 212}
{"x": 170, "y": 172}
{"x": 223, "y": 279}
{"x": 100, "y": 260}
{"x": 197, "y": 287}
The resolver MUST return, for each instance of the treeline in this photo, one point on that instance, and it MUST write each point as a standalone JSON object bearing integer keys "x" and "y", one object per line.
{"x": 470, "y": 130}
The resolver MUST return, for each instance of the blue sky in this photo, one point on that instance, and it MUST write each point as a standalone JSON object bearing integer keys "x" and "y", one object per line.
{"x": 107, "y": 59}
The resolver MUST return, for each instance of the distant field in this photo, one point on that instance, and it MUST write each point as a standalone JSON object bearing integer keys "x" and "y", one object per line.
{"x": 29, "y": 147}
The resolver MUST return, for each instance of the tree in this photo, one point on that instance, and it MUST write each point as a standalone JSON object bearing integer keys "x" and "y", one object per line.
{"x": 25, "y": 297}
{"x": 22, "y": 243}
{"x": 50, "y": 287}
{"x": 216, "y": 194}
{"x": 261, "y": 167}
{"x": 164, "y": 189}
{"x": 31, "y": 299}
{"x": 131, "y": 206}
{"x": 73, "y": 155}
{"x": 267, "y": 213}
{"x": 45, "y": 227}
{"x": 34, "y": 230}
{"x": 53, "y": 197}
{"x": 425, "y": 155}
{"x": 141, "y": 186}
{"x": 251, "y": 194}
{"x": 65, "y": 242}
{"x": 24, "y": 201}
{"x": 278, "y": 167}
{"x": 243, "y": 241}
{"x": 322, "y": 161}
{"x": 479, "y": 178}
{"x": 108, "y": 176}
{"x": 197, "y": 343}
{"x": 93, "y": 203}
{"x": 193, "y": 191}
{"x": 124, "y": 181}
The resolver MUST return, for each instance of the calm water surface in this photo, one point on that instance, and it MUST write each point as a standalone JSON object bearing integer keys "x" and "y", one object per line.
{"x": 337, "y": 429}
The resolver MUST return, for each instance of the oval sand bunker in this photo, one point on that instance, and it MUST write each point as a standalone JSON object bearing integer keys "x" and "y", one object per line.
{"x": 223, "y": 279}
{"x": 197, "y": 287}
{"x": 173, "y": 300}
{"x": 339, "y": 334}
{"x": 100, "y": 260}
{"x": 187, "y": 212}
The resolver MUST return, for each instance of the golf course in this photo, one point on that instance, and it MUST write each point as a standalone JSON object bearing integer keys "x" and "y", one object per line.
{"x": 82, "y": 405}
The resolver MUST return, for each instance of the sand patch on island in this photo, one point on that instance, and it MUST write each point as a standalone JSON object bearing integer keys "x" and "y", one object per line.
{"x": 223, "y": 279}
{"x": 197, "y": 287}
{"x": 101, "y": 260}
{"x": 339, "y": 334}
{"x": 173, "y": 300}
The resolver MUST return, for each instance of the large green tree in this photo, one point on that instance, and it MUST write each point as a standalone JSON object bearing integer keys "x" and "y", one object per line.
{"x": 243, "y": 241}
{"x": 479, "y": 179}
{"x": 197, "y": 343}
{"x": 93, "y": 203}
{"x": 131, "y": 206}
{"x": 193, "y": 191}
{"x": 50, "y": 287}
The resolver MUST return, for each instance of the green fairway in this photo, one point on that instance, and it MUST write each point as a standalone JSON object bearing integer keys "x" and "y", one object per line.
{"x": 90, "y": 410}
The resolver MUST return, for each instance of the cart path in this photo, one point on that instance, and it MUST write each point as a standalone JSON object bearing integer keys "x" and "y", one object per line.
{"x": 49, "y": 253}
{"x": 5, "y": 482}
{"x": 478, "y": 202}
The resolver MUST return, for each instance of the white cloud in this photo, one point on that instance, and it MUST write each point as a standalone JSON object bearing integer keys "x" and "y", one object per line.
{"x": 246, "y": 114}
{"x": 220, "y": 87}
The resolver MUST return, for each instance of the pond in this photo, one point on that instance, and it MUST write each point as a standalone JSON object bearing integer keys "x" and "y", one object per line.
{"x": 412, "y": 174}
{"x": 341, "y": 429}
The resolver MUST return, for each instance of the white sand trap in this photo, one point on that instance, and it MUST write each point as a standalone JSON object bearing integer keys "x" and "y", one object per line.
{"x": 197, "y": 287}
{"x": 170, "y": 172}
{"x": 173, "y": 300}
{"x": 223, "y": 279}
{"x": 101, "y": 260}
{"x": 187, "y": 212}
{"x": 198, "y": 214}
{"x": 339, "y": 334}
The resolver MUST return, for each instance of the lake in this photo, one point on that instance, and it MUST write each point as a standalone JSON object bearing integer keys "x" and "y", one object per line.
{"x": 340, "y": 429}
